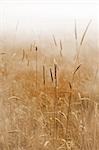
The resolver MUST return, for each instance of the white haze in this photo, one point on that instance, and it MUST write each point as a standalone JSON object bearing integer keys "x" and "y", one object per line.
{"x": 24, "y": 21}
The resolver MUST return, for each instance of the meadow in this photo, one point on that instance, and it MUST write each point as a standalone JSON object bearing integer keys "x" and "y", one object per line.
{"x": 47, "y": 100}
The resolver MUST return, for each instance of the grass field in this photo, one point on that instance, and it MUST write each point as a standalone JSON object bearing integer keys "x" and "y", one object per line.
{"x": 47, "y": 100}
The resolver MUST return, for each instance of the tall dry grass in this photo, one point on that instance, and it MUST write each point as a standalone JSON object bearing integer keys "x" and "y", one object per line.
{"x": 48, "y": 105}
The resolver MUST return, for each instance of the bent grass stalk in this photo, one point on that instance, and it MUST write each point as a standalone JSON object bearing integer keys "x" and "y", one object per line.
{"x": 82, "y": 40}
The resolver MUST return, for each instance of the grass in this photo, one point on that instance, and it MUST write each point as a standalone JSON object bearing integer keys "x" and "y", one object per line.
{"x": 47, "y": 105}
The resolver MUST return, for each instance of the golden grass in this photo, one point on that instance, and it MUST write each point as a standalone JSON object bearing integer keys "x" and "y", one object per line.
{"x": 48, "y": 105}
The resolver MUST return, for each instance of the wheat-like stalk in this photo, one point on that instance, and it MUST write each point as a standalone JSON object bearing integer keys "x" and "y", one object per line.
{"x": 51, "y": 74}
{"x": 23, "y": 55}
{"x": 61, "y": 48}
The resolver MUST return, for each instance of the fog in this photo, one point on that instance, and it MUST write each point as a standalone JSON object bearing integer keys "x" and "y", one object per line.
{"x": 22, "y": 22}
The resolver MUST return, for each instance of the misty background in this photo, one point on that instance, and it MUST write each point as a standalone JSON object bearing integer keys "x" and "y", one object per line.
{"x": 25, "y": 22}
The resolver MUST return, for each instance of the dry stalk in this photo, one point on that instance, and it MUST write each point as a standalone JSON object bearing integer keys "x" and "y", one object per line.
{"x": 36, "y": 49}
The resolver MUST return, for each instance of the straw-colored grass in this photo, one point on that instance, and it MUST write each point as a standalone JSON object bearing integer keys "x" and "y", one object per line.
{"x": 50, "y": 104}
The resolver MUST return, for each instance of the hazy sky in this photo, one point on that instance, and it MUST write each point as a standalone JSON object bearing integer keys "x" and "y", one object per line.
{"x": 37, "y": 17}
{"x": 40, "y": 14}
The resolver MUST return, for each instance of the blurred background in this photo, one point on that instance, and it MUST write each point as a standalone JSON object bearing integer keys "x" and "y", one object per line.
{"x": 23, "y": 22}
